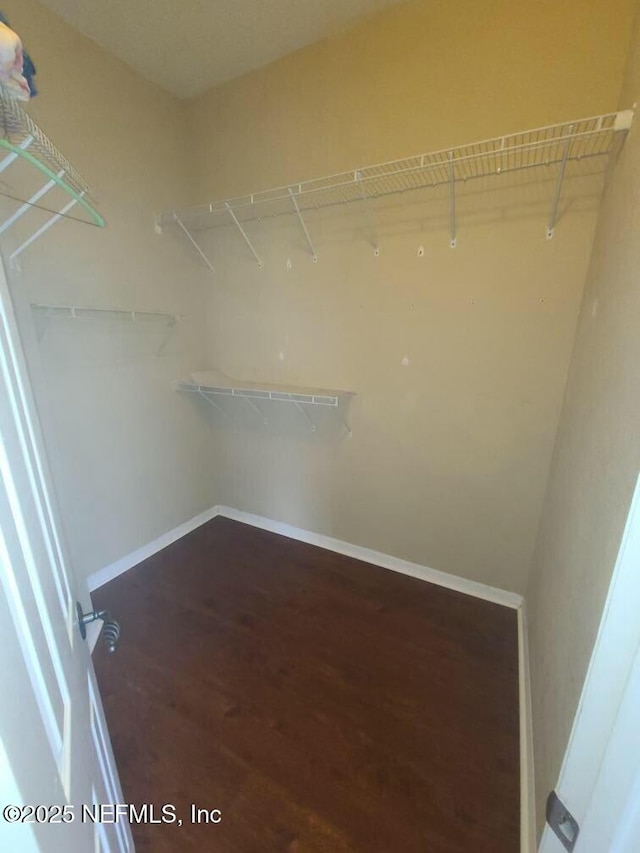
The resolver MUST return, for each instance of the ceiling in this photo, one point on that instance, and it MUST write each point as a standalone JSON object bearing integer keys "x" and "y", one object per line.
{"x": 191, "y": 46}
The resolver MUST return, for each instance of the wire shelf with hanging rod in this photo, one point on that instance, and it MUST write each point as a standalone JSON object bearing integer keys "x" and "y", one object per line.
{"x": 27, "y": 156}
{"x": 554, "y": 145}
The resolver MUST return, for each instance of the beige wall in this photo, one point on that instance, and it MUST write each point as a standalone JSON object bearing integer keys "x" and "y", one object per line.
{"x": 125, "y": 451}
{"x": 418, "y": 77}
{"x": 450, "y": 453}
{"x": 595, "y": 465}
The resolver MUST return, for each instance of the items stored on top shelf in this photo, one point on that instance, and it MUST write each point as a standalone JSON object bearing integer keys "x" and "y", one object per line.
{"x": 16, "y": 66}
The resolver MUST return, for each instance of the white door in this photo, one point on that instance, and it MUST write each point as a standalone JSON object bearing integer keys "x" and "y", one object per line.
{"x": 599, "y": 781}
{"x": 612, "y": 822}
{"x": 54, "y": 746}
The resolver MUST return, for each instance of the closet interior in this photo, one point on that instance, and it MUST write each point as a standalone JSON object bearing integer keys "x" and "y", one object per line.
{"x": 405, "y": 364}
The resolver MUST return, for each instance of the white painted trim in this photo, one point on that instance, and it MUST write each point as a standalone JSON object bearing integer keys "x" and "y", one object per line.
{"x": 17, "y": 836}
{"x": 528, "y": 835}
{"x": 611, "y": 661}
{"x": 612, "y": 821}
{"x": 376, "y": 558}
{"x": 108, "y": 573}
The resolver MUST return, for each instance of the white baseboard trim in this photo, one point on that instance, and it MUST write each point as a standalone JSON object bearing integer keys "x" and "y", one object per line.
{"x": 108, "y": 573}
{"x": 528, "y": 835}
{"x": 376, "y": 558}
{"x": 366, "y": 555}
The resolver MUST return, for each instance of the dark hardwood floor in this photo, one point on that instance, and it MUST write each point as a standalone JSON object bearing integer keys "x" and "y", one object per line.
{"x": 322, "y": 704}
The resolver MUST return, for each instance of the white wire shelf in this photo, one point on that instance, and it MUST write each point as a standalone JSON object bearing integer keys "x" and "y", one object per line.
{"x": 312, "y": 398}
{"x": 74, "y": 312}
{"x": 23, "y": 142}
{"x": 557, "y": 144}
{"x": 155, "y": 319}
{"x": 216, "y": 384}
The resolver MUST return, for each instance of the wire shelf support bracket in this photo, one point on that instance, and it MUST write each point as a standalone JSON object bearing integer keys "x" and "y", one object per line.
{"x": 25, "y": 143}
{"x": 195, "y": 245}
{"x": 212, "y": 403}
{"x": 74, "y": 312}
{"x": 28, "y": 204}
{"x": 13, "y": 156}
{"x": 13, "y": 257}
{"x": 303, "y": 411}
{"x": 345, "y": 423}
{"x": 375, "y": 243}
{"x": 314, "y": 255}
{"x": 244, "y": 235}
{"x": 256, "y": 408}
{"x": 558, "y": 190}
{"x": 302, "y": 398}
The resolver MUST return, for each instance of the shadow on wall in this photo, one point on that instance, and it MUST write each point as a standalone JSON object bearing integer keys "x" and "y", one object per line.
{"x": 484, "y": 201}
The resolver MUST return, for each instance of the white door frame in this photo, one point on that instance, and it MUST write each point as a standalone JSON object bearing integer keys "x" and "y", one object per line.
{"x": 607, "y": 692}
{"x": 612, "y": 822}
{"x": 54, "y": 744}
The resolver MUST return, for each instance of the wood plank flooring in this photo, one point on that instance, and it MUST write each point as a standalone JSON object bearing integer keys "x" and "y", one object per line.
{"x": 323, "y": 705}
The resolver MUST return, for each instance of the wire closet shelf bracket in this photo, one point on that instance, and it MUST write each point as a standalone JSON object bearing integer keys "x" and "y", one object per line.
{"x": 253, "y": 393}
{"x": 554, "y": 145}
{"x": 79, "y": 313}
{"x": 23, "y": 142}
